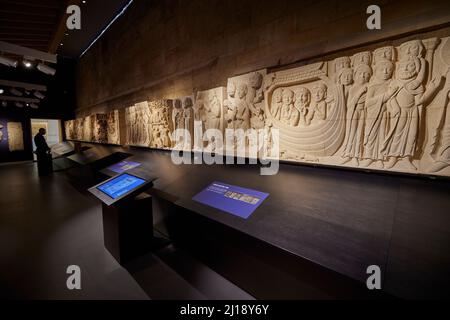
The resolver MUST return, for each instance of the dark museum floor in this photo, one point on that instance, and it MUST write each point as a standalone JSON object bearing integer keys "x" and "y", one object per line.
{"x": 46, "y": 225}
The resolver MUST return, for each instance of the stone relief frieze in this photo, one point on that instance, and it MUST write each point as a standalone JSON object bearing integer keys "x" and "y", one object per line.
{"x": 383, "y": 109}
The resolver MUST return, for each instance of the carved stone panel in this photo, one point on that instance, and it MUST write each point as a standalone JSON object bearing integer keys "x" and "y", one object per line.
{"x": 113, "y": 127}
{"x": 149, "y": 124}
{"x": 210, "y": 112}
{"x": 161, "y": 124}
{"x": 137, "y": 120}
{"x": 385, "y": 109}
{"x": 100, "y": 128}
{"x": 182, "y": 118}
{"x": 15, "y": 136}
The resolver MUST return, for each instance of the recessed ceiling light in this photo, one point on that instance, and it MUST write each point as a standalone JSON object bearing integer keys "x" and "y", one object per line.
{"x": 4, "y": 103}
{"x": 84, "y": 1}
{"x": 1, "y": 91}
{"x": 27, "y": 63}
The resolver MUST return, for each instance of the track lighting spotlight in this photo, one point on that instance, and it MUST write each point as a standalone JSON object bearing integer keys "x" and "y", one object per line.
{"x": 39, "y": 95}
{"x": 2, "y": 91}
{"x": 16, "y": 92}
{"x": 8, "y": 62}
{"x": 46, "y": 69}
{"x": 27, "y": 63}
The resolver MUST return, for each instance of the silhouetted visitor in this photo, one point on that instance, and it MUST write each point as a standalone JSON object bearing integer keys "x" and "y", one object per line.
{"x": 44, "y": 157}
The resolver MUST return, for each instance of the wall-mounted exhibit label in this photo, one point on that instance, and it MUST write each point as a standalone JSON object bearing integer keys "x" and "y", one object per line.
{"x": 238, "y": 201}
{"x": 124, "y": 166}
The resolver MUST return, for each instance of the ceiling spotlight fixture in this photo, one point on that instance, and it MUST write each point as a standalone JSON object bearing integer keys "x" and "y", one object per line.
{"x": 27, "y": 63}
{"x": 8, "y": 62}
{"x": 1, "y": 91}
{"x": 34, "y": 106}
{"x": 19, "y": 105}
{"x": 16, "y": 92}
{"x": 39, "y": 95}
{"x": 46, "y": 69}
{"x": 4, "y": 104}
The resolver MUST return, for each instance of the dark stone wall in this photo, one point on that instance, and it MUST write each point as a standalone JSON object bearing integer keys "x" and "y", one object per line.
{"x": 171, "y": 48}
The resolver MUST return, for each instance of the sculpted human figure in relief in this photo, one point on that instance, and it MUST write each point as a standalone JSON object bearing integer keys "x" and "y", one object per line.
{"x": 242, "y": 108}
{"x": 400, "y": 143}
{"x": 302, "y": 101}
{"x": 230, "y": 106}
{"x": 378, "y": 95}
{"x": 319, "y": 108}
{"x": 289, "y": 114}
{"x": 277, "y": 103}
{"x": 442, "y": 156}
{"x": 356, "y": 115}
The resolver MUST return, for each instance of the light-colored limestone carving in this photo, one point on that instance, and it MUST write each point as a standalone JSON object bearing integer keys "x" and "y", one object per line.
{"x": 183, "y": 119}
{"x": 15, "y": 136}
{"x": 160, "y": 123}
{"x": 356, "y": 114}
{"x": 100, "y": 133}
{"x": 210, "y": 105}
{"x": 339, "y": 113}
{"x": 113, "y": 128}
{"x": 79, "y": 125}
{"x": 138, "y": 123}
{"x": 1, "y": 132}
{"x": 88, "y": 128}
{"x": 386, "y": 109}
{"x": 313, "y": 138}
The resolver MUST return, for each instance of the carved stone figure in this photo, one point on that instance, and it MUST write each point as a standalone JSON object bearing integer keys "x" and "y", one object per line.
{"x": 246, "y": 92}
{"x": 1, "y": 132}
{"x": 356, "y": 114}
{"x": 360, "y": 58}
{"x": 442, "y": 136}
{"x": 302, "y": 102}
{"x": 277, "y": 103}
{"x": 113, "y": 128}
{"x": 100, "y": 134}
{"x": 400, "y": 142}
{"x": 289, "y": 114}
{"x": 160, "y": 126}
{"x": 377, "y": 115}
{"x": 318, "y": 111}
{"x": 199, "y": 121}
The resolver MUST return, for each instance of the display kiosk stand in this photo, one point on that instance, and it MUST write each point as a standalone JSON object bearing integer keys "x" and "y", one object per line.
{"x": 127, "y": 215}
{"x": 128, "y": 228}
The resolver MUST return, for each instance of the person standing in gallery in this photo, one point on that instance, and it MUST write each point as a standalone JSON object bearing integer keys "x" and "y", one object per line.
{"x": 43, "y": 154}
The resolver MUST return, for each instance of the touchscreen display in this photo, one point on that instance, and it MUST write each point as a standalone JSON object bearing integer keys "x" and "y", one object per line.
{"x": 120, "y": 185}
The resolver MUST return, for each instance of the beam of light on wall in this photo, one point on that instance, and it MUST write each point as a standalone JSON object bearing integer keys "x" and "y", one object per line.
{"x": 107, "y": 27}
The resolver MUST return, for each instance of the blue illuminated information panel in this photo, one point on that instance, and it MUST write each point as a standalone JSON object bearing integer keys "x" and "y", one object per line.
{"x": 120, "y": 185}
{"x": 124, "y": 166}
{"x": 238, "y": 201}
